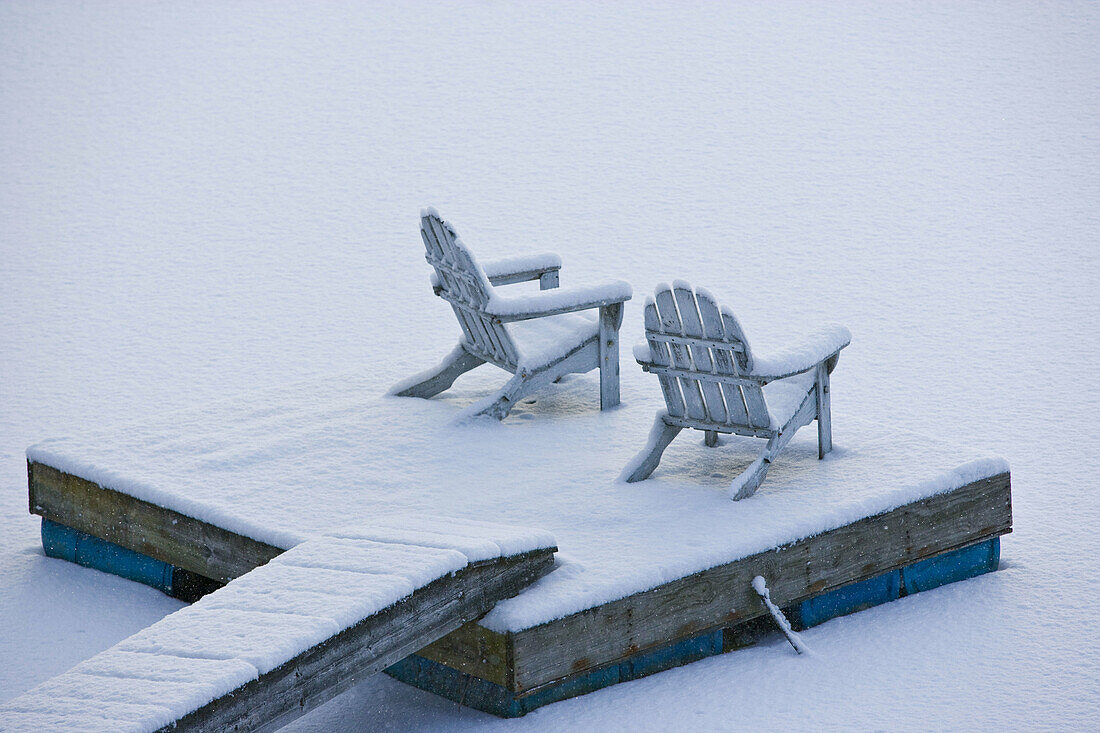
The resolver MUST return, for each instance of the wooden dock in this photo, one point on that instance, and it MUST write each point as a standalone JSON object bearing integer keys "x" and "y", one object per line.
{"x": 941, "y": 538}
{"x": 283, "y": 638}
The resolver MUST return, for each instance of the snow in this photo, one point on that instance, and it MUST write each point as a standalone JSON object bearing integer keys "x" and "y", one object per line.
{"x": 282, "y": 465}
{"x": 802, "y": 355}
{"x": 562, "y": 297}
{"x": 784, "y": 396}
{"x": 542, "y": 340}
{"x": 32, "y": 714}
{"x": 204, "y": 200}
{"x": 522, "y": 263}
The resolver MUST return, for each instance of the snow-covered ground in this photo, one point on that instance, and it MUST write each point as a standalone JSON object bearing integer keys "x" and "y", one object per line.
{"x": 201, "y": 200}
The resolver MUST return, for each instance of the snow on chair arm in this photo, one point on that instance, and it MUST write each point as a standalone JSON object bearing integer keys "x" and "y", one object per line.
{"x": 563, "y": 300}
{"x": 822, "y": 346}
{"x": 521, "y": 269}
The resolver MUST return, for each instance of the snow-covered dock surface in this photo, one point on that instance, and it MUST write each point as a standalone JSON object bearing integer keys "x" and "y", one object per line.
{"x": 283, "y": 465}
{"x": 266, "y": 618}
{"x": 198, "y": 200}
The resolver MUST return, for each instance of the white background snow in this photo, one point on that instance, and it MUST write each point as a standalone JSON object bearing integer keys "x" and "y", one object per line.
{"x": 198, "y": 200}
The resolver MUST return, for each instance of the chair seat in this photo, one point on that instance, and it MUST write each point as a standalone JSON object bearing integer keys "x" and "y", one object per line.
{"x": 784, "y": 397}
{"x": 542, "y": 340}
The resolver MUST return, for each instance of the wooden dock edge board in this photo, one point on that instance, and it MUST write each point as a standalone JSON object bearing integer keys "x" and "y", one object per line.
{"x": 66, "y": 543}
{"x": 334, "y": 666}
{"x": 472, "y": 691}
{"x": 723, "y": 596}
{"x": 141, "y": 526}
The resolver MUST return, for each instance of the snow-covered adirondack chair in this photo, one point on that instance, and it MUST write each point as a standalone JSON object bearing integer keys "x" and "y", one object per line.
{"x": 539, "y": 338}
{"x": 713, "y": 382}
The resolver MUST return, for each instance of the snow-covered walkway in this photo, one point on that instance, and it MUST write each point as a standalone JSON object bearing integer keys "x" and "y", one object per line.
{"x": 327, "y": 613}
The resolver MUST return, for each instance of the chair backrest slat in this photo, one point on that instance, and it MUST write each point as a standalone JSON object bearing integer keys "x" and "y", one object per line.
{"x": 688, "y": 331}
{"x": 463, "y": 283}
{"x": 754, "y": 396}
{"x": 725, "y": 361}
{"x": 658, "y": 350}
{"x": 680, "y": 354}
{"x": 713, "y": 402}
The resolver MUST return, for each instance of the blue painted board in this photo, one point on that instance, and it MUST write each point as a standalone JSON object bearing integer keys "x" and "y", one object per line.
{"x": 949, "y": 567}
{"x": 952, "y": 567}
{"x": 75, "y": 546}
{"x": 847, "y": 599}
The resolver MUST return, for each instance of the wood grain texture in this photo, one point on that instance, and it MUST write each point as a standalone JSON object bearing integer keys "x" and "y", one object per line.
{"x": 611, "y": 317}
{"x": 324, "y": 671}
{"x": 824, "y": 411}
{"x": 475, "y": 650}
{"x": 168, "y": 536}
{"x": 723, "y": 595}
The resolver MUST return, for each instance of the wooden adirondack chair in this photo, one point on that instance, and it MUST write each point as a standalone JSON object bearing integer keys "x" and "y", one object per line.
{"x": 538, "y": 338}
{"x": 712, "y": 382}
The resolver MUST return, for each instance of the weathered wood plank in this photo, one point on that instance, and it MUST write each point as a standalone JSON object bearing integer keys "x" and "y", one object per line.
{"x": 454, "y": 365}
{"x": 475, "y": 650}
{"x": 659, "y": 353}
{"x": 713, "y": 404}
{"x": 710, "y": 342}
{"x": 549, "y": 280}
{"x": 138, "y": 525}
{"x": 319, "y": 674}
{"x": 824, "y": 412}
{"x": 753, "y": 396}
{"x": 705, "y": 378}
{"x": 720, "y": 427}
{"x": 726, "y": 354}
{"x": 611, "y": 317}
{"x": 723, "y": 595}
{"x": 681, "y": 357}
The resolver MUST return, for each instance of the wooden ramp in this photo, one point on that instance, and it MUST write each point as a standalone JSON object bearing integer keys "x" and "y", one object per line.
{"x": 293, "y": 633}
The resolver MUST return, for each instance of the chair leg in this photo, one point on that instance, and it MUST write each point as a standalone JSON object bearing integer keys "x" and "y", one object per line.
{"x": 746, "y": 484}
{"x": 525, "y": 381}
{"x": 824, "y": 412}
{"x": 499, "y": 405}
{"x": 645, "y": 462}
{"x": 429, "y": 384}
{"x": 750, "y": 479}
{"x": 611, "y": 317}
{"x": 710, "y": 438}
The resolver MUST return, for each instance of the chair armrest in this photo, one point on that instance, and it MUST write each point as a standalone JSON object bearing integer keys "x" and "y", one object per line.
{"x": 543, "y": 267}
{"x": 820, "y": 347}
{"x": 554, "y": 302}
{"x": 521, "y": 269}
